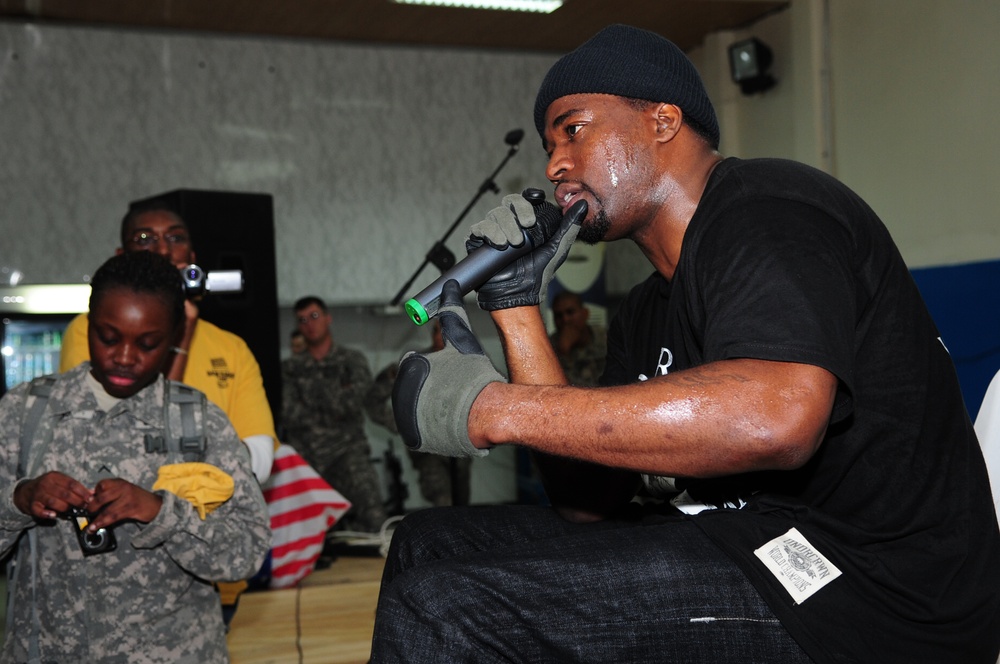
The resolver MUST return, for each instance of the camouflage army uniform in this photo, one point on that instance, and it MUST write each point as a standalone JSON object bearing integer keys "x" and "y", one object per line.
{"x": 324, "y": 419}
{"x": 584, "y": 366}
{"x": 434, "y": 472}
{"x": 151, "y": 599}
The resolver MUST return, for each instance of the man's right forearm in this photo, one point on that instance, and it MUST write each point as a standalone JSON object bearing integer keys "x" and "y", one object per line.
{"x": 580, "y": 491}
{"x": 531, "y": 360}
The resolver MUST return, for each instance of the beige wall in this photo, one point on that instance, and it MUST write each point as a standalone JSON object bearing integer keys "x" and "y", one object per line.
{"x": 358, "y": 140}
{"x": 904, "y": 110}
{"x": 914, "y": 86}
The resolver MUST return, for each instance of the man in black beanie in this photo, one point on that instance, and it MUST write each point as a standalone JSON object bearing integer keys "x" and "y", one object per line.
{"x": 811, "y": 486}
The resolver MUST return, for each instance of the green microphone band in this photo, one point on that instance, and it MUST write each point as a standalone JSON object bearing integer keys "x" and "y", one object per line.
{"x": 416, "y": 312}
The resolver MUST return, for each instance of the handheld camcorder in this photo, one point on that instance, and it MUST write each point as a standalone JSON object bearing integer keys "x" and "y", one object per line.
{"x": 101, "y": 541}
{"x": 197, "y": 281}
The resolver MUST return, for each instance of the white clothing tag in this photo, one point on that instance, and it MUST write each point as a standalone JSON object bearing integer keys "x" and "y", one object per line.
{"x": 797, "y": 565}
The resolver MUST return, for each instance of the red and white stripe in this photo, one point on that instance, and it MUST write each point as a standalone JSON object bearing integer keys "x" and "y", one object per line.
{"x": 303, "y": 506}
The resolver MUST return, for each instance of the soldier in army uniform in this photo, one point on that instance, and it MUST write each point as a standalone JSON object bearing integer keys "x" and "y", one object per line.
{"x": 581, "y": 347}
{"x": 149, "y": 596}
{"x": 444, "y": 481}
{"x": 323, "y": 412}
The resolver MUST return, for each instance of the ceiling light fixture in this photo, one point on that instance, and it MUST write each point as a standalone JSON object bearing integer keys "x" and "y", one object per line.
{"x": 540, "y": 6}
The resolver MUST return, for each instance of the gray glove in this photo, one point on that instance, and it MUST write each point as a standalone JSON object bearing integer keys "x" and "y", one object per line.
{"x": 525, "y": 281}
{"x": 434, "y": 392}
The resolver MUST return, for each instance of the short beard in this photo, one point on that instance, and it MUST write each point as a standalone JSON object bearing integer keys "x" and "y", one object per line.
{"x": 594, "y": 231}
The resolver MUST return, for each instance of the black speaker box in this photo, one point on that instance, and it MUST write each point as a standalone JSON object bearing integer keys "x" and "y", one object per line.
{"x": 235, "y": 231}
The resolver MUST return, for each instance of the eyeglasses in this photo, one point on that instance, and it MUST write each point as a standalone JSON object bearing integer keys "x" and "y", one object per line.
{"x": 312, "y": 315}
{"x": 146, "y": 240}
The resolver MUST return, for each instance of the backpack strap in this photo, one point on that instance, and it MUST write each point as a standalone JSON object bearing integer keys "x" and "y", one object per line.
{"x": 41, "y": 389}
{"x": 192, "y": 441}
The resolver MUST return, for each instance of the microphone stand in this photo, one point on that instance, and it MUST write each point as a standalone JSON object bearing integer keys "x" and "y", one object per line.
{"x": 439, "y": 254}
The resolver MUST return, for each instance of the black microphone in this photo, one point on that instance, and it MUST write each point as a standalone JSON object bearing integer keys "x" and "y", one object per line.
{"x": 476, "y": 269}
{"x": 513, "y": 136}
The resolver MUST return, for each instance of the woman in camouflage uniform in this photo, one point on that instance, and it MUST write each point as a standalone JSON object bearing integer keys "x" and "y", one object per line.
{"x": 98, "y": 447}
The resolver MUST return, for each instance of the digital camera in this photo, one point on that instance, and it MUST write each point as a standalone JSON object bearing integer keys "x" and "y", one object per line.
{"x": 101, "y": 541}
{"x": 198, "y": 281}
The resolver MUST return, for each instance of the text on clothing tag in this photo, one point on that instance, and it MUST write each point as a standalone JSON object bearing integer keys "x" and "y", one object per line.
{"x": 797, "y": 565}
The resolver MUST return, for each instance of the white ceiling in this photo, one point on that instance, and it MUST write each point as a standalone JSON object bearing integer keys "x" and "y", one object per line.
{"x": 686, "y": 22}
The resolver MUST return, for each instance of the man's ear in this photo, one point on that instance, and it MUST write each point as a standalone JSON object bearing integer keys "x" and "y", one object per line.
{"x": 668, "y": 121}
{"x": 119, "y": 251}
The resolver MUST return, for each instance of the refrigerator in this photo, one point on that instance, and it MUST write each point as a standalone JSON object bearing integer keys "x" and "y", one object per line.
{"x": 32, "y": 321}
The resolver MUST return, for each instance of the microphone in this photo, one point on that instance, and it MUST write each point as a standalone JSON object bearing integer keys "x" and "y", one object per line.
{"x": 476, "y": 269}
{"x": 513, "y": 137}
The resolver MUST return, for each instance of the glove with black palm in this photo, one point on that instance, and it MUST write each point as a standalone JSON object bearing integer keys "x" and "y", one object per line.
{"x": 525, "y": 281}
{"x": 434, "y": 392}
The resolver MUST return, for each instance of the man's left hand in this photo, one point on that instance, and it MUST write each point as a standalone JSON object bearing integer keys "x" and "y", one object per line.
{"x": 434, "y": 392}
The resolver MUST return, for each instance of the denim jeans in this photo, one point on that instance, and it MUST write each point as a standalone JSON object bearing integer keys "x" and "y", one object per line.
{"x": 520, "y": 584}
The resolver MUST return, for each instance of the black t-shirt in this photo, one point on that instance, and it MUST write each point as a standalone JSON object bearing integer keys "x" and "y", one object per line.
{"x": 782, "y": 262}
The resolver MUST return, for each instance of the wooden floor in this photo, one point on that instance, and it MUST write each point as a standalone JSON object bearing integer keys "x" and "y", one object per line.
{"x": 330, "y": 616}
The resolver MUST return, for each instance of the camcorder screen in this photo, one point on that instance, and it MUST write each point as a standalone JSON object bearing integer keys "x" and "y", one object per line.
{"x": 198, "y": 282}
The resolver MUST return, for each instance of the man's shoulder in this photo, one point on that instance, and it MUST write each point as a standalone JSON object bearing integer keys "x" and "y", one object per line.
{"x": 74, "y": 343}
{"x": 345, "y": 353}
{"x": 294, "y": 360}
{"x": 764, "y": 169}
{"x": 78, "y": 321}
{"x": 300, "y": 365}
{"x": 213, "y": 341}
{"x": 212, "y": 332}
{"x": 770, "y": 179}
{"x": 354, "y": 352}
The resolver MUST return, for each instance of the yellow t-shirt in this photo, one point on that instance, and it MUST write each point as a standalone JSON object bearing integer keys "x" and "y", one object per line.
{"x": 219, "y": 364}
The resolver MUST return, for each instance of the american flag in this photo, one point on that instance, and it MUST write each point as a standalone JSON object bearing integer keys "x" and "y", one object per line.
{"x": 302, "y": 507}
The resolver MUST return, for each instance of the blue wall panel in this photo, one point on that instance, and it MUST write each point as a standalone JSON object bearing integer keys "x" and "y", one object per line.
{"x": 964, "y": 301}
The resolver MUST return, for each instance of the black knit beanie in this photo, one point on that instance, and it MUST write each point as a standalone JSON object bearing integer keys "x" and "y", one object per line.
{"x": 630, "y": 62}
